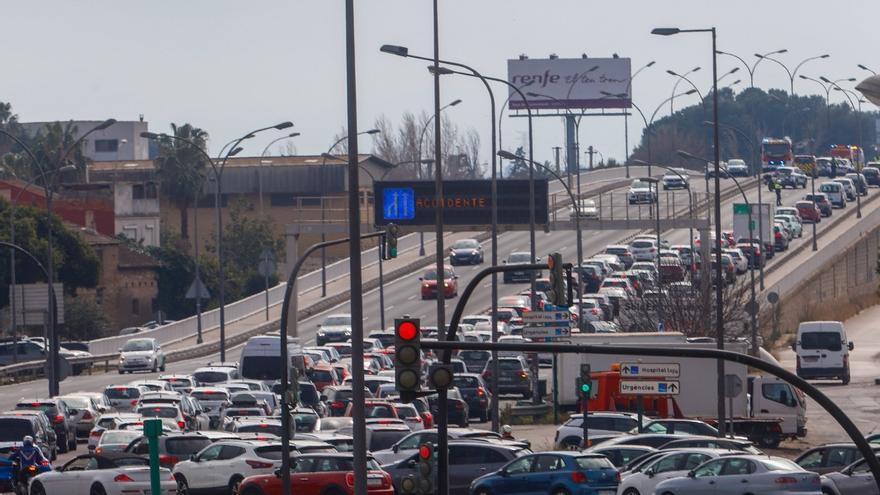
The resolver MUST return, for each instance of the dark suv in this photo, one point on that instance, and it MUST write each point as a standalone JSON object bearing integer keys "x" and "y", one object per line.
{"x": 514, "y": 376}
{"x": 173, "y": 448}
{"x": 520, "y": 258}
{"x": 63, "y": 420}
{"x": 475, "y": 392}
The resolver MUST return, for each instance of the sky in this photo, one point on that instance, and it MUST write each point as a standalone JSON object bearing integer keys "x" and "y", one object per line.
{"x": 232, "y": 66}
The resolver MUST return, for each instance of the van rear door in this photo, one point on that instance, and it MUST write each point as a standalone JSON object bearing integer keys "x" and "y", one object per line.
{"x": 822, "y": 346}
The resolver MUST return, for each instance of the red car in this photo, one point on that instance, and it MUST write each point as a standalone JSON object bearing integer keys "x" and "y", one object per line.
{"x": 323, "y": 375}
{"x": 808, "y": 211}
{"x": 320, "y": 474}
{"x": 429, "y": 283}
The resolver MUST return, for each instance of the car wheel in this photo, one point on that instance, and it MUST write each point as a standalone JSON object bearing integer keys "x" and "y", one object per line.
{"x": 71, "y": 446}
{"x": 234, "y": 485}
{"x": 631, "y": 491}
{"x": 846, "y": 379}
{"x": 64, "y": 445}
{"x": 769, "y": 441}
{"x": 54, "y": 454}
{"x": 182, "y": 485}
{"x": 97, "y": 490}
{"x": 482, "y": 491}
{"x": 484, "y": 416}
{"x": 560, "y": 491}
{"x": 121, "y": 372}
{"x": 37, "y": 489}
{"x": 164, "y": 362}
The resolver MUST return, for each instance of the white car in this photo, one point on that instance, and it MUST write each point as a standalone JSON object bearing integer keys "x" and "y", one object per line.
{"x": 334, "y": 328}
{"x": 571, "y": 434}
{"x": 141, "y": 354}
{"x": 676, "y": 181}
{"x": 587, "y": 209}
{"x": 123, "y": 398}
{"x": 643, "y": 249}
{"x": 213, "y": 375}
{"x": 212, "y": 400}
{"x": 642, "y": 192}
{"x": 643, "y": 479}
{"x": 109, "y": 475}
{"x": 108, "y": 421}
{"x": 212, "y": 472}
{"x": 762, "y": 474}
{"x": 739, "y": 259}
{"x": 410, "y": 415}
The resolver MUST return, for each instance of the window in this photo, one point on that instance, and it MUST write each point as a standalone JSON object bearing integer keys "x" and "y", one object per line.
{"x": 137, "y": 191}
{"x": 710, "y": 469}
{"x": 695, "y": 460}
{"x": 106, "y": 145}
{"x": 282, "y": 199}
{"x": 230, "y": 452}
{"x": 830, "y": 341}
{"x": 738, "y": 467}
{"x": 545, "y": 463}
{"x": 78, "y": 464}
{"x": 777, "y": 392}
{"x": 669, "y": 463}
{"x": 412, "y": 442}
{"x": 303, "y": 465}
{"x": 211, "y": 453}
{"x": 520, "y": 466}
{"x": 840, "y": 456}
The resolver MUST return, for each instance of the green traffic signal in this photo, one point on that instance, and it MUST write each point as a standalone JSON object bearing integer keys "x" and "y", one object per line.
{"x": 585, "y": 388}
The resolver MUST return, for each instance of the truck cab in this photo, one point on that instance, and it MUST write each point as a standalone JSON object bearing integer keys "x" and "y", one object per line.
{"x": 773, "y": 398}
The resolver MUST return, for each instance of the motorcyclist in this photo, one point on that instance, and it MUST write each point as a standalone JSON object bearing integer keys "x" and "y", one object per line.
{"x": 28, "y": 455}
{"x": 507, "y": 432}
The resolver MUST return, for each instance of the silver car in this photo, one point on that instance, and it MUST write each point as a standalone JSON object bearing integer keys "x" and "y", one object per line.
{"x": 141, "y": 354}
{"x": 86, "y": 414}
{"x": 855, "y": 479}
{"x": 762, "y": 474}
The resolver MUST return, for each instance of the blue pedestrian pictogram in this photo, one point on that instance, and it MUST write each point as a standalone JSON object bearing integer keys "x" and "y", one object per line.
{"x": 398, "y": 203}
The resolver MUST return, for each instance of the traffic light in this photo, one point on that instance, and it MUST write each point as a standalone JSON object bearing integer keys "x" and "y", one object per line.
{"x": 425, "y": 473}
{"x": 557, "y": 280}
{"x": 391, "y": 233}
{"x": 441, "y": 377}
{"x": 585, "y": 382}
{"x": 407, "y": 358}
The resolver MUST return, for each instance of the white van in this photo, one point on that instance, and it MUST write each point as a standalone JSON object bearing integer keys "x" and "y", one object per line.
{"x": 261, "y": 358}
{"x": 822, "y": 350}
{"x": 835, "y": 193}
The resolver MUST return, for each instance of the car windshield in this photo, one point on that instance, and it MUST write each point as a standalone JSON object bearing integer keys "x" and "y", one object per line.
{"x": 14, "y": 429}
{"x": 473, "y": 355}
{"x": 378, "y": 411}
{"x": 76, "y": 402}
{"x": 466, "y": 381}
{"x": 210, "y": 376}
{"x": 432, "y": 274}
{"x": 829, "y": 187}
{"x": 776, "y": 148}
{"x": 594, "y": 463}
{"x": 509, "y": 364}
{"x": 122, "y": 393}
{"x": 519, "y": 258}
{"x": 186, "y": 445}
{"x": 158, "y": 412}
{"x": 337, "y": 321}
{"x": 138, "y": 345}
{"x": 210, "y": 395}
{"x": 119, "y": 436}
{"x": 829, "y": 341}
{"x": 777, "y": 464}
{"x": 642, "y": 244}
{"x": 305, "y": 422}
{"x": 639, "y": 184}
{"x": 272, "y": 428}
{"x": 321, "y": 375}
{"x": 384, "y": 439}
{"x": 465, "y": 244}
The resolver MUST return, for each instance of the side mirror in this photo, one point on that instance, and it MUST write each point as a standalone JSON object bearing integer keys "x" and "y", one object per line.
{"x": 794, "y": 346}
{"x": 851, "y": 346}
{"x": 691, "y": 474}
{"x": 455, "y": 277}
{"x": 503, "y": 262}
{"x": 411, "y": 463}
{"x": 277, "y": 473}
{"x": 117, "y": 350}
{"x": 649, "y": 473}
{"x": 194, "y": 458}
{"x": 504, "y": 473}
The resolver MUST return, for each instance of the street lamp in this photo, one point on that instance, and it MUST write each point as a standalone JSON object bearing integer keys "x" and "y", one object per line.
{"x": 791, "y": 73}
{"x": 751, "y": 68}
{"x": 626, "y": 116}
{"x": 54, "y": 363}
{"x": 846, "y": 93}
{"x": 682, "y": 77}
{"x": 860, "y": 66}
{"x": 323, "y": 217}
{"x": 422, "y": 137}
{"x": 719, "y": 316}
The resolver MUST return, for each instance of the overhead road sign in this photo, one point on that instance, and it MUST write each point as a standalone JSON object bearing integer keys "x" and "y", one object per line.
{"x": 650, "y": 370}
{"x": 465, "y": 202}
{"x": 649, "y": 387}
{"x": 546, "y": 317}
{"x": 552, "y": 332}
{"x": 570, "y": 83}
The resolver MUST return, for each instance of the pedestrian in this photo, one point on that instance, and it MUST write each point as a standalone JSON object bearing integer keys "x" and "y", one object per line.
{"x": 777, "y": 187}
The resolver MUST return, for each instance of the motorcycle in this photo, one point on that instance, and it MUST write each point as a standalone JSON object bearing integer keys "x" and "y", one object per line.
{"x": 22, "y": 477}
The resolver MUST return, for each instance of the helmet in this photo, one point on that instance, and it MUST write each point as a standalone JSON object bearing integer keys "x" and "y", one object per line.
{"x": 28, "y": 441}
{"x": 506, "y": 429}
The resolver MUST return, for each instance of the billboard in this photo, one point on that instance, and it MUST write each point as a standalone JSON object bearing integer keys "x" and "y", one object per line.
{"x": 571, "y": 82}
{"x": 465, "y": 202}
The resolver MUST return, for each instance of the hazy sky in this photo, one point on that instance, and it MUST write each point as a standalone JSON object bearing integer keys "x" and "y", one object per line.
{"x": 232, "y": 66}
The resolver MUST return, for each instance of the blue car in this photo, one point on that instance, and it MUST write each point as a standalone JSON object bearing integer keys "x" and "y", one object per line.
{"x": 551, "y": 473}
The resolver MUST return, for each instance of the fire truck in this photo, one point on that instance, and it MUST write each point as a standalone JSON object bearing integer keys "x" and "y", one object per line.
{"x": 775, "y": 153}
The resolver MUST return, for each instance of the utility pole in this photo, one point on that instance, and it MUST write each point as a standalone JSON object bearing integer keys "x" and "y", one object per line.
{"x": 557, "y": 149}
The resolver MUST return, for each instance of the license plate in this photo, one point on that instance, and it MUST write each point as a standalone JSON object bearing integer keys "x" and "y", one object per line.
{"x": 374, "y": 482}
{"x": 811, "y": 358}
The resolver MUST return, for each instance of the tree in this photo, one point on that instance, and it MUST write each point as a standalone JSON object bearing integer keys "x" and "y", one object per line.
{"x": 519, "y": 168}
{"x": 181, "y": 169}
{"x": 75, "y": 262}
{"x": 84, "y": 319}
{"x": 52, "y": 147}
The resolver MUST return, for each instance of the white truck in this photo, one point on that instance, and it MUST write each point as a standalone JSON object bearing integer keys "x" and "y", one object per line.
{"x": 767, "y": 410}
{"x": 741, "y": 221}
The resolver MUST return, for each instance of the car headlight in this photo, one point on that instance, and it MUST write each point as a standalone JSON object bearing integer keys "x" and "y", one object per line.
{"x": 320, "y": 332}
{"x": 122, "y": 358}
{"x": 446, "y": 284}
{"x": 474, "y": 252}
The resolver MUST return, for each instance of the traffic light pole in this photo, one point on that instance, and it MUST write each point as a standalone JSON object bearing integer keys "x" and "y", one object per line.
{"x": 285, "y": 357}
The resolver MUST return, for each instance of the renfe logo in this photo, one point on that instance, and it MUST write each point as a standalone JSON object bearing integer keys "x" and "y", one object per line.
{"x": 398, "y": 203}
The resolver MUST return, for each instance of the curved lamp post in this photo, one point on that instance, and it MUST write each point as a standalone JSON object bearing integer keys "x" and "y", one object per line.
{"x": 751, "y": 68}
{"x": 421, "y": 138}
{"x": 791, "y": 73}
{"x": 682, "y": 77}
{"x": 626, "y": 116}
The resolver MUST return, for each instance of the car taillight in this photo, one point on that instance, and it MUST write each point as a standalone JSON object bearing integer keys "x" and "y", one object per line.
{"x": 523, "y": 375}
{"x": 481, "y": 392}
{"x": 181, "y": 424}
{"x": 459, "y": 406}
{"x": 579, "y": 477}
{"x": 87, "y": 415}
{"x": 258, "y": 464}
{"x": 98, "y": 450}
{"x": 594, "y": 311}
{"x": 337, "y": 404}
{"x": 386, "y": 480}
{"x": 417, "y": 419}
{"x": 349, "y": 479}
{"x": 96, "y": 433}
{"x": 617, "y": 476}
{"x": 59, "y": 418}
{"x": 134, "y": 402}
{"x": 122, "y": 477}
{"x": 44, "y": 462}
{"x": 785, "y": 480}
{"x": 168, "y": 460}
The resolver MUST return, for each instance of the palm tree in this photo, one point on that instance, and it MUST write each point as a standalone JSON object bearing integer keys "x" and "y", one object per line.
{"x": 180, "y": 169}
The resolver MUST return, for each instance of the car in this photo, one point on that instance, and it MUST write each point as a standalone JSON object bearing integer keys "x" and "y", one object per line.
{"x": 641, "y": 191}
{"x": 792, "y": 223}
{"x": 673, "y": 180}
{"x": 15, "y": 425}
{"x": 86, "y": 414}
{"x": 410, "y": 415}
{"x": 334, "y": 328}
{"x": 654, "y": 440}
{"x": 644, "y": 249}
{"x": 468, "y": 460}
{"x": 551, "y": 472}
{"x": 144, "y": 354}
{"x": 830, "y": 458}
{"x": 338, "y": 397}
{"x": 623, "y": 254}
{"x": 212, "y": 400}
{"x": 375, "y": 408}
{"x": 822, "y": 350}
{"x": 710, "y": 442}
{"x": 131, "y": 331}
{"x": 791, "y": 177}
{"x": 739, "y": 259}
{"x": 666, "y": 466}
{"x": 323, "y": 375}
{"x": 116, "y": 441}
{"x": 855, "y": 479}
{"x": 570, "y": 435}
{"x": 180, "y": 383}
{"x": 860, "y": 182}
{"x": 466, "y": 252}
{"x": 62, "y": 419}
{"x": 617, "y": 296}
{"x": 321, "y": 474}
{"x": 766, "y": 475}
{"x": 108, "y": 421}
{"x": 409, "y": 444}
{"x": 223, "y": 465}
{"x": 679, "y": 427}
{"x": 809, "y": 211}
{"x": 588, "y": 309}
{"x": 737, "y": 168}
{"x": 620, "y": 456}
{"x": 429, "y": 283}
{"x": 215, "y": 374}
{"x": 520, "y": 258}
{"x": 475, "y": 392}
{"x": 457, "y": 411}
{"x": 671, "y": 270}
{"x": 872, "y": 173}
{"x": 618, "y": 282}
{"x": 172, "y": 448}
{"x": 822, "y": 203}
{"x": 111, "y": 474}
{"x": 514, "y": 376}
{"x": 835, "y": 192}
{"x": 163, "y": 411}
{"x": 849, "y": 187}
{"x": 587, "y": 209}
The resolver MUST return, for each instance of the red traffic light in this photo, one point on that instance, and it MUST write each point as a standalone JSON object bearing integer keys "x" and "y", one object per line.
{"x": 425, "y": 452}
{"x": 407, "y": 330}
